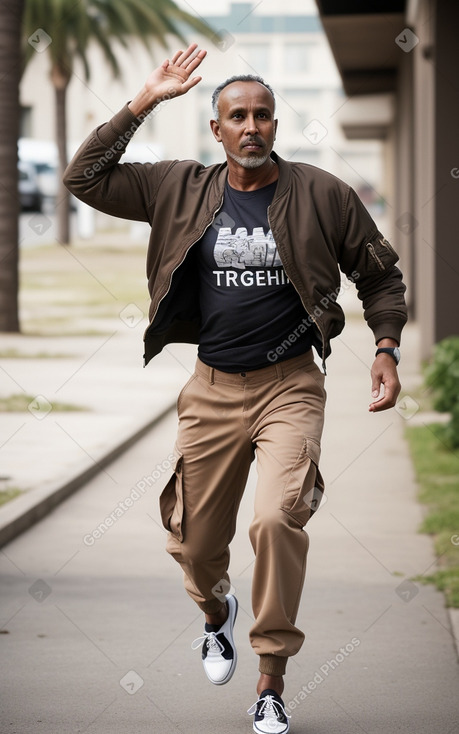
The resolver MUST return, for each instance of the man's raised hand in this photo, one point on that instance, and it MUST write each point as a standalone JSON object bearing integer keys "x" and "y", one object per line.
{"x": 172, "y": 79}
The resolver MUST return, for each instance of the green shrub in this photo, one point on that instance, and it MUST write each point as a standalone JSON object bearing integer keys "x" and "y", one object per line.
{"x": 442, "y": 377}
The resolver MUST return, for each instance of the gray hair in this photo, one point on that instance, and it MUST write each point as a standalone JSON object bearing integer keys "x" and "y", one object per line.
{"x": 237, "y": 78}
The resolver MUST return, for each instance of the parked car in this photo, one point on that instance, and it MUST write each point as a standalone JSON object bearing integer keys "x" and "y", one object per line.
{"x": 42, "y": 155}
{"x": 30, "y": 195}
{"x": 47, "y": 180}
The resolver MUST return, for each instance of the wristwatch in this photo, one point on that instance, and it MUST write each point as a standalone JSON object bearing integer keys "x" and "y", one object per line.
{"x": 393, "y": 351}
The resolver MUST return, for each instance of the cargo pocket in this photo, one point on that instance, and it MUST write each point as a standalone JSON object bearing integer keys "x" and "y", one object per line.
{"x": 171, "y": 500}
{"x": 305, "y": 487}
{"x": 381, "y": 254}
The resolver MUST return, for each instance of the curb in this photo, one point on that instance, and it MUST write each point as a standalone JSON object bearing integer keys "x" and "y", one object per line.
{"x": 454, "y": 622}
{"x": 24, "y": 511}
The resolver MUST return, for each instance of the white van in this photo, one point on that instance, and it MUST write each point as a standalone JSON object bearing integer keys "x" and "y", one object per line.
{"x": 42, "y": 156}
{"x": 30, "y": 196}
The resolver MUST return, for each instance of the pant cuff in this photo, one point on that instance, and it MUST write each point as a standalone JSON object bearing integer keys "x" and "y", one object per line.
{"x": 272, "y": 665}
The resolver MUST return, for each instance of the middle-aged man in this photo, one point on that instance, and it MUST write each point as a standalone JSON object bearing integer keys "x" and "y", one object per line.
{"x": 244, "y": 260}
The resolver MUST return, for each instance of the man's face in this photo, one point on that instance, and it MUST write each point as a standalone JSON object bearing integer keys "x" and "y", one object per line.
{"x": 246, "y": 126}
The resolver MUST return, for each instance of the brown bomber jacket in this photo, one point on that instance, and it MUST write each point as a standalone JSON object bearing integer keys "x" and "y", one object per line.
{"x": 318, "y": 222}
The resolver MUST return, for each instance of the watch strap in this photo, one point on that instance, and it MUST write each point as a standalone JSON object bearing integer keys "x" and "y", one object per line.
{"x": 393, "y": 351}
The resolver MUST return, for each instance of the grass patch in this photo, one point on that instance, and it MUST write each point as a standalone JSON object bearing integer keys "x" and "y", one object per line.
{"x": 80, "y": 290}
{"x": 21, "y": 402}
{"x": 8, "y": 494}
{"x": 422, "y": 395}
{"x": 16, "y": 354}
{"x": 437, "y": 471}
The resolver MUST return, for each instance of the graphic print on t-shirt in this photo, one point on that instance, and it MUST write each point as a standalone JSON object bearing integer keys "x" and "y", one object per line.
{"x": 241, "y": 250}
{"x": 248, "y": 307}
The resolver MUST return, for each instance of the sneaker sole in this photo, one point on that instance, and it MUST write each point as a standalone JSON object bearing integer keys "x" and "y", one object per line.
{"x": 259, "y": 731}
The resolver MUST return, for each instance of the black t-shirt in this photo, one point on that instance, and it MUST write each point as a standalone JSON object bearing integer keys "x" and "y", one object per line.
{"x": 251, "y": 314}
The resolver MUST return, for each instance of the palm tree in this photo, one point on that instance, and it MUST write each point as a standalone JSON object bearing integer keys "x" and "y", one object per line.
{"x": 72, "y": 26}
{"x": 10, "y": 74}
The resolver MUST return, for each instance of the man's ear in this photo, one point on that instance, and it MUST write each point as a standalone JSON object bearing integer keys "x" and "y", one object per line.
{"x": 215, "y": 127}
{"x": 275, "y": 128}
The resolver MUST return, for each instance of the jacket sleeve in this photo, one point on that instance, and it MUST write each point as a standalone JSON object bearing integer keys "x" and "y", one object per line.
{"x": 95, "y": 176}
{"x": 368, "y": 259}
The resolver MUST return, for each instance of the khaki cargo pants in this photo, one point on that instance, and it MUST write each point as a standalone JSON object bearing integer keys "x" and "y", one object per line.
{"x": 225, "y": 420}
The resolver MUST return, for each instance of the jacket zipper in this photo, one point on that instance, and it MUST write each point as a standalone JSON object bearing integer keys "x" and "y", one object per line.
{"x": 372, "y": 252}
{"x": 320, "y": 332}
{"x": 181, "y": 262}
{"x": 313, "y": 318}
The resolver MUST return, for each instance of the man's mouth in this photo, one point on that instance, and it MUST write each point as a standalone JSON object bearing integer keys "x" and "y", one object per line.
{"x": 253, "y": 145}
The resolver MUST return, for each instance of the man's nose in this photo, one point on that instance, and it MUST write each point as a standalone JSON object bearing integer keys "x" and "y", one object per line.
{"x": 250, "y": 125}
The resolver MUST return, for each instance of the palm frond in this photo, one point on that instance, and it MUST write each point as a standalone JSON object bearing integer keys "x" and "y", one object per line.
{"x": 103, "y": 41}
{"x": 74, "y": 24}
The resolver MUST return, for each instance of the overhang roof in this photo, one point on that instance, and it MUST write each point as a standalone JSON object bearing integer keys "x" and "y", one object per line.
{"x": 367, "y": 117}
{"x": 362, "y": 39}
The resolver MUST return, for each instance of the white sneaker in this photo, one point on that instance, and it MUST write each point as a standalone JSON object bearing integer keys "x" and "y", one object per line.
{"x": 219, "y": 655}
{"x": 270, "y": 714}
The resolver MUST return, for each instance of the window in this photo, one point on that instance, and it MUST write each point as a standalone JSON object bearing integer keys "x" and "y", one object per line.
{"x": 297, "y": 58}
{"x": 257, "y": 57}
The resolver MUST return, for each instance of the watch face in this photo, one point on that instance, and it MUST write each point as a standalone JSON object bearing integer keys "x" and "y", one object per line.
{"x": 394, "y": 351}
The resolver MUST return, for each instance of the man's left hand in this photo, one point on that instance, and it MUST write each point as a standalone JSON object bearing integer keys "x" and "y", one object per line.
{"x": 385, "y": 385}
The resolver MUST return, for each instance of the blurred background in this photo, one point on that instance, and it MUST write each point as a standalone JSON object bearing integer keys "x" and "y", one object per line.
{"x": 364, "y": 90}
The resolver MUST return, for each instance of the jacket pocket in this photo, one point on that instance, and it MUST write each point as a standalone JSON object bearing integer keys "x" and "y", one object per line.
{"x": 171, "y": 500}
{"x": 305, "y": 487}
{"x": 381, "y": 254}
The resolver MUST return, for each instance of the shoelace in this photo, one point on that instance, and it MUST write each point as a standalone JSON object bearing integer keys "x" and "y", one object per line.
{"x": 210, "y": 638}
{"x": 270, "y": 708}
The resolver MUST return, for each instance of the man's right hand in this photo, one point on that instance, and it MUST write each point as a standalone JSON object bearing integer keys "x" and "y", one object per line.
{"x": 171, "y": 79}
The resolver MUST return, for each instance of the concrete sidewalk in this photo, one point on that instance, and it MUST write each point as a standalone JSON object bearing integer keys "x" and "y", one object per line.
{"x": 49, "y": 451}
{"x": 97, "y": 634}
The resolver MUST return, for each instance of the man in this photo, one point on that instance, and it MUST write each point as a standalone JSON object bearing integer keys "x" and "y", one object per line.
{"x": 255, "y": 315}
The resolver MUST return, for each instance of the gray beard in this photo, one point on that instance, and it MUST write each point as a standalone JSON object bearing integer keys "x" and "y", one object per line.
{"x": 253, "y": 162}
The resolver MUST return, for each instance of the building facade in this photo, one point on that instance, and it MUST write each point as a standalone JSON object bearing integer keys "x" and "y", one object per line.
{"x": 403, "y": 56}
{"x": 283, "y": 43}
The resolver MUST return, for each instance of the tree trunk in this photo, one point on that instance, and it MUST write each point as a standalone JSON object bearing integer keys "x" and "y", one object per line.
{"x": 61, "y": 82}
{"x": 10, "y": 73}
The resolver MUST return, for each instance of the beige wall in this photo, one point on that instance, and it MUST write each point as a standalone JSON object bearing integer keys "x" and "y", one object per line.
{"x": 405, "y": 221}
{"x": 423, "y": 178}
